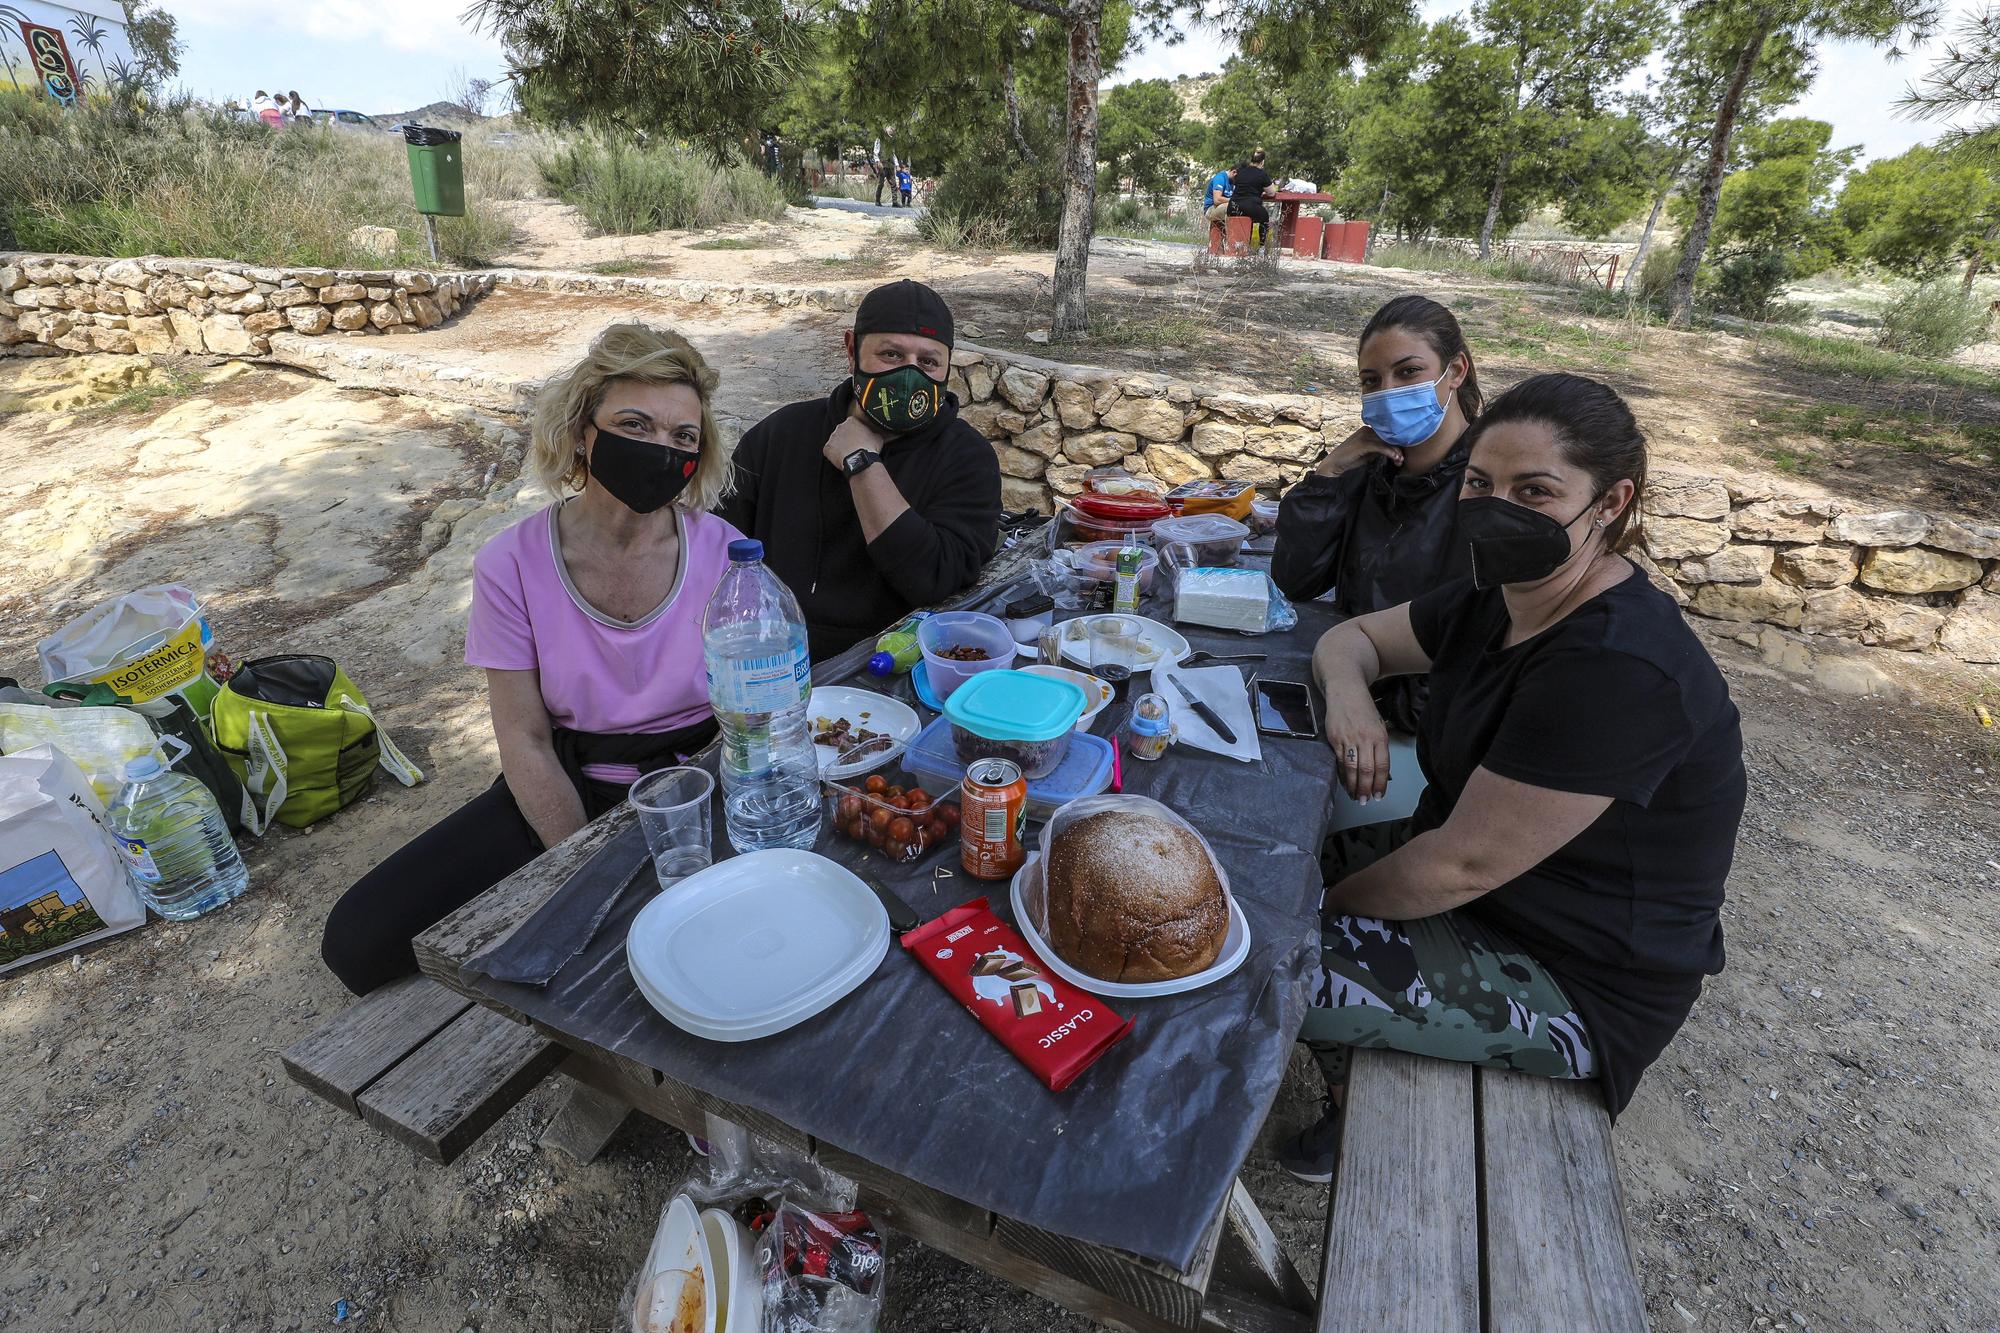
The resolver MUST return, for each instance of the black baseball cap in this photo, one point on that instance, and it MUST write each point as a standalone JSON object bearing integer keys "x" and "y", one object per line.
{"x": 903, "y": 307}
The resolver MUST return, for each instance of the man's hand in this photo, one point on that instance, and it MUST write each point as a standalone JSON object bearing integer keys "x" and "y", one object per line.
{"x": 851, "y": 434}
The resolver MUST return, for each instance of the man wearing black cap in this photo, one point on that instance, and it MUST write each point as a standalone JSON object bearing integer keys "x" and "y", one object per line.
{"x": 877, "y": 498}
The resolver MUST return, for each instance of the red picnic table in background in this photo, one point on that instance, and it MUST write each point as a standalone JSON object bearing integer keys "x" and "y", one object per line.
{"x": 1306, "y": 238}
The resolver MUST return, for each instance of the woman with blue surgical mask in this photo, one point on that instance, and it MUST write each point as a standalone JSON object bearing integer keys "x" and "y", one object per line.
{"x": 1375, "y": 521}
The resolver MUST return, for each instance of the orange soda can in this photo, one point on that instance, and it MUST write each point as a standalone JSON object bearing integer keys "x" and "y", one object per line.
{"x": 993, "y": 819}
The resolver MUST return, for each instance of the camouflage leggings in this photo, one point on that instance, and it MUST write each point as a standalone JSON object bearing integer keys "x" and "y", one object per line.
{"x": 1445, "y": 986}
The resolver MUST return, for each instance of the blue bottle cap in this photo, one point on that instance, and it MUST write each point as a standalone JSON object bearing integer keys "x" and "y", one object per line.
{"x": 881, "y": 664}
{"x": 746, "y": 549}
{"x": 144, "y": 767}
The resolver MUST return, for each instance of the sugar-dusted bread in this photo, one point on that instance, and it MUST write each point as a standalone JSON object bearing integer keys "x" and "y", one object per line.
{"x": 1132, "y": 897}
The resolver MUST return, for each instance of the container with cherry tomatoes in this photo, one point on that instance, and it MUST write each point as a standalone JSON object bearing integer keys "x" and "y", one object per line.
{"x": 889, "y": 811}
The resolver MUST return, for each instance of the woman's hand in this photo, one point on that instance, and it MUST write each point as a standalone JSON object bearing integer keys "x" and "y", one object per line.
{"x": 1360, "y": 744}
{"x": 1355, "y": 450}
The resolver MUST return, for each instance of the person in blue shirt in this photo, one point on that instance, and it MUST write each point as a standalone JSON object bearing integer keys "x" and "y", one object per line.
{"x": 1215, "y": 204}
{"x": 905, "y": 183}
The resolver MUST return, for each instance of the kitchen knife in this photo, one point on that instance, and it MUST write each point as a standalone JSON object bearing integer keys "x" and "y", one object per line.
{"x": 902, "y": 916}
{"x": 1204, "y": 712}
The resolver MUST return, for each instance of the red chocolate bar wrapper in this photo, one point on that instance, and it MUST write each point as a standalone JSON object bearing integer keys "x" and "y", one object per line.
{"x": 1059, "y": 1040}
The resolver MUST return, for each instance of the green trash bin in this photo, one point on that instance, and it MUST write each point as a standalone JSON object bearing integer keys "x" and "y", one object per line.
{"x": 437, "y": 170}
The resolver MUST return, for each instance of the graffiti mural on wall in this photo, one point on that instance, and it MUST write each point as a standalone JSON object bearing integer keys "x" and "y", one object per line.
{"x": 49, "y": 54}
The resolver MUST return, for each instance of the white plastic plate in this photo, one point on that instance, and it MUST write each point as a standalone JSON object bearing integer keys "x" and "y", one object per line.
{"x": 756, "y": 944}
{"x": 1027, "y": 896}
{"x": 1167, "y": 644}
{"x": 679, "y": 1255}
{"x": 864, "y": 710}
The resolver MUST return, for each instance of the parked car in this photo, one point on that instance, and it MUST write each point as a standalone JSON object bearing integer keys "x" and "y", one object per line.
{"x": 347, "y": 120}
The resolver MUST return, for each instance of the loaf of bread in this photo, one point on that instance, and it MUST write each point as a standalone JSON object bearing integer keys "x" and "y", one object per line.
{"x": 1133, "y": 897}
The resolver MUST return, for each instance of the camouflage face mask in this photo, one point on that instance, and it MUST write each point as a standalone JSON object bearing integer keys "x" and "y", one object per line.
{"x": 898, "y": 401}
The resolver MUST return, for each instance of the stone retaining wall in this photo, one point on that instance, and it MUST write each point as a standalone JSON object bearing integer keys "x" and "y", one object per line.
{"x": 1893, "y": 579}
{"x": 692, "y": 291}
{"x": 212, "y": 306}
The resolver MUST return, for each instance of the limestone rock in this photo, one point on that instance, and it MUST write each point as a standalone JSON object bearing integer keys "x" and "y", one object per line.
{"x": 1017, "y": 494}
{"x": 76, "y": 340}
{"x": 1302, "y": 408}
{"x": 1817, "y": 566}
{"x": 1259, "y": 472}
{"x": 138, "y": 303}
{"x": 187, "y": 331}
{"x": 1897, "y": 527}
{"x": 1676, "y": 496}
{"x": 1678, "y": 538}
{"x": 1918, "y": 569}
{"x": 1174, "y": 464}
{"x": 309, "y": 318}
{"x": 1023, "y": 388}
{"x": 226, "y": 336}
{"x": 11, "y": 279}
{"x": 381, "y": 291}
{"x": 1972, "y": 630}
{"x": 349, "y": 316}
{"x": 954, "y": 384}
{"x": 1979, "y": 540}
{"x": 1241, "y": 407}
{"x": 113, "y": 340}
{"x": 1217, "y": 439}
{"x": 1283, "y": 444}
{"x": 1778, "y": 520}
{"x": 1769, "y": 601}
{"x": 1144, "y": 386}
{"x": 341, "y": 292}
{"x": 124, "y": 273}
{"x": 11, "y": 332}
{"x": 979, "y": 382}
{"x": 377, "y": 241}
{"x": 1044, "y": 440}
{"x": 1908, "y": 625}
{"x": 1659, "y": 577}
{"x": 1107, "y": 394}
{"x": 413, "y": 282}
{"x": 1075, "y": 404}
{"x": 1732, "y": 564}
{"x": 265, "y": 321}
{"x": 1154, "y": 418}
{"x": 315, "y": 278}
{"x": 152, "y": 334}
{"x": 287, "y": 297}
{"x": 383, "y": 314}
{"x": 1180, "y": 395}
{"x": 1097, "y": 448}
{"x": 248, "y": 303}
{"x": 1992, "y": 581}
{"x": 1066, "y": 478}
{"x": 992, "y": 420}
{"x": 1841, "y": 611}
{"x": 1852, "y": 675}
{"x": 1019, "y": 462}
{"x": 221, "y": 282}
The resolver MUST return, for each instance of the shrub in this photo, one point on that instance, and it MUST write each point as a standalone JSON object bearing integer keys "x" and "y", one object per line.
{"x": 1747, "y": 284}
{"x": 627, "y": 188}
{"x": 1015, "y": 199}
{"x": 1933, "y": 319}
{"x": 1656, "y": 275}
{"x": 1124, "y": 215}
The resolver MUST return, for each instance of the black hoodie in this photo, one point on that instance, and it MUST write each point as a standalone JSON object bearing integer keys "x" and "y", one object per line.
{"x": 790, "y": 498}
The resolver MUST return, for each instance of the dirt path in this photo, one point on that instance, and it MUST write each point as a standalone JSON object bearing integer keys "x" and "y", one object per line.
{"x": 1819, "y": 1139}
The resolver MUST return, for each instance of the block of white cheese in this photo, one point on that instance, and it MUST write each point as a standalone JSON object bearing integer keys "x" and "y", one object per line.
{"x": 1238, "y": 599}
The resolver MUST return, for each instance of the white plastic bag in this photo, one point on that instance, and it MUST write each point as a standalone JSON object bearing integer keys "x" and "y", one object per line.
{"x": 62, "y": 881}
{"x": 143, "y": 645}
{"x": 100, "y": 741}
{"x": 1036, "y": 890}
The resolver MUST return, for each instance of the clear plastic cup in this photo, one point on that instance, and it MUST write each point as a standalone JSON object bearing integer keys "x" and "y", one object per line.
{"x": 676, "y": 812}
{"x": 1114, "y": 647}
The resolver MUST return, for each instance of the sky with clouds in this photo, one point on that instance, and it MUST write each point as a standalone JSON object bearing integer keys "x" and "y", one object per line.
{"x": 373, "y": 56}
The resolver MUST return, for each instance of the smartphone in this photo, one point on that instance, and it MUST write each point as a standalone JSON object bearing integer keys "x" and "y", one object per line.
{"x": 1284, "y": 708}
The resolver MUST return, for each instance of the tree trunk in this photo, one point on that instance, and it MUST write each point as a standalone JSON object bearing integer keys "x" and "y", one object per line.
{"x": 1014, "y": 108}
{"x": 1375, "y": 228}
{"x": 1978, "y": 259}
{"x": 1493, "y": 205}
{"x": 1680, "y": 300}
{"x": 1079, "y": 216}
{"x": 1646, "y": 236}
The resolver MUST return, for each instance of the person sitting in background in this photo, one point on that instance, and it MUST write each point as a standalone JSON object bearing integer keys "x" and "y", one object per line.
{"x": 1376, "y": 518}
{"x": 1215, "y": 200}
{"x": 587, "y": 619}
{"x": 877, "y": 498}
{"x": 1253, "y": 183}
{"x": 1555, "y": 902}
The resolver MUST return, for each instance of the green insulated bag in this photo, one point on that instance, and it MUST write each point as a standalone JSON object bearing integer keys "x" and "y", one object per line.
{"x": 299, "y": 735}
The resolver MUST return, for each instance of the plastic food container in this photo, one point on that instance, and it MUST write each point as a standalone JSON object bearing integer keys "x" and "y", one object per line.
{"x": 963, "y": 630}
{"x": 893, "y": 812}
{"x": 1121, "y": 481}
{"x": 1099, "y": 562}
{"x": 1216, "y": 539}
{"x": 1097, "y": 518}
{"x": 1096, "y": 691}
{"x": 1263, "y": 516}
{"x": 1084, "y": 771}
{"x": 1028, "y": 617}
{"x": 1231, "y": 499}
{"x": 1015, "y": 715}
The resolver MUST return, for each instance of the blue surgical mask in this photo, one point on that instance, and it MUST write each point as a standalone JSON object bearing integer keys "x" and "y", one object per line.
{"x": 1407, "y": 416}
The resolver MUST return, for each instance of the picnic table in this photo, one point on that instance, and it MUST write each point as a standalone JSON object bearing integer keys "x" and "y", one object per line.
{"x": 1288, "y": 212}
{"x": 1464, "y": 1199}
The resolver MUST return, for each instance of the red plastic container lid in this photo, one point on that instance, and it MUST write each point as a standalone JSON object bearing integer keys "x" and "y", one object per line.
{"x": 1124, "y": 507}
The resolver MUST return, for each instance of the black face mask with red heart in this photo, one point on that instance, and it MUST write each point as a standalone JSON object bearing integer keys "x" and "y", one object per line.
{"x": 639, "y": 474}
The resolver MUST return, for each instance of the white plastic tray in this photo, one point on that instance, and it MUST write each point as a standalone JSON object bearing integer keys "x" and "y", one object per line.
{"x": 756, "y": 944}
{"x": 1027, "y": 896}
{"x": 1163, "y": 639}
{"x": 891, "y": 717}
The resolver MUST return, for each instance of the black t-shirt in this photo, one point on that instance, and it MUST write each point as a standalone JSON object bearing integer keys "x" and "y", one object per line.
{"x": 1251, "y": 182}
{"x": 1617, "y": 699}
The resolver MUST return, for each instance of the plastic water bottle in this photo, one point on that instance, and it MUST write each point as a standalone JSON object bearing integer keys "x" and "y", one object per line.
{"x": 177, "y": 847}
{"x": 759, "y": 681}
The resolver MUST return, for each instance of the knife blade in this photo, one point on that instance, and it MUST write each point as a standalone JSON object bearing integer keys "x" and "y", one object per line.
{"x": 1204, "y": 712}
{"x": 902, "y": 916}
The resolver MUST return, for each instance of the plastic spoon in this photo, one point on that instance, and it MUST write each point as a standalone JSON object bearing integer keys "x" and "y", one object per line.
{"x": 1202, "y": 658}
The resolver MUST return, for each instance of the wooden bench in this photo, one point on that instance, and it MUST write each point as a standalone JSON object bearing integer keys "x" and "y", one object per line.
{"x": 1472, "y": 1199}
{"x": 423, "y": 1064}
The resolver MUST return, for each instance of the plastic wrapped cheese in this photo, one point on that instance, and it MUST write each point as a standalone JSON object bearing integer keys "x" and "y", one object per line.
{"x": 1238, "y": 599}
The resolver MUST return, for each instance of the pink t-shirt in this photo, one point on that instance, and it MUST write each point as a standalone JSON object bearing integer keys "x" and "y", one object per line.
{"x": 597, "y": 673}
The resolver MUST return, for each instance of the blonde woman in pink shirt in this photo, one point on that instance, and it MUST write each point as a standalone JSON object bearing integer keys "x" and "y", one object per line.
{"x": 586, "y": 617}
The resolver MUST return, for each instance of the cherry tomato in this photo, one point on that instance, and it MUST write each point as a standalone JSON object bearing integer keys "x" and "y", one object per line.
{"x": 935, "y": 830}
{"x": 901, "y": 829}
{"x": 857, "y": 828}
{"x": 898, "y": 851}
{"x": 876, "y": 783}
{"x": 894, "y": 793}
{"x": 919, "y": 798}
{"x": 876, "y": 836}
{"x": 879, "y": 820}
{"x": 850, "y": 806}
{"x": 949, "y": 814}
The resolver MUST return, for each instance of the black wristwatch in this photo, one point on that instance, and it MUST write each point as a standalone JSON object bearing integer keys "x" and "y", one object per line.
{"x": 859, "y": 462}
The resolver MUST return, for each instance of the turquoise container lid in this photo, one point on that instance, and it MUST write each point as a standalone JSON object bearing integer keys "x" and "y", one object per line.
{"x": 1011, "y": 705}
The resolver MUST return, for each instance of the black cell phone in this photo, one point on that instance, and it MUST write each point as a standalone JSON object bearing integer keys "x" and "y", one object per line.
{"x": 1284, "y": 708}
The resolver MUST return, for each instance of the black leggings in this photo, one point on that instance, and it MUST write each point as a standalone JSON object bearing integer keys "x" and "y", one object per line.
{"x": 368, "y": 932}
